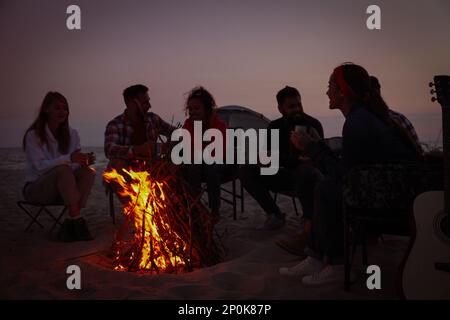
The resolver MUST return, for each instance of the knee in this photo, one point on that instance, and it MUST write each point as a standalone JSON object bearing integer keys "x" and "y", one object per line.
{"x": 88, "y": 173}
{"x": 64, "y": 171}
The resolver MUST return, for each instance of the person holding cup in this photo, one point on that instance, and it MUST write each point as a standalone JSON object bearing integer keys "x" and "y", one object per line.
{"x": 56, "y": 169}
{"x": 369, "y": 137}
{"x": 296, "y": 173}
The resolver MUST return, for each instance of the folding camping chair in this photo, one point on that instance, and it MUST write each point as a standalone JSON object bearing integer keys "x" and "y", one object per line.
{"x": 231, "y": 175}
{"x": 34, "y": 210}
{"x": 234, "y": 194}
{"x": 380, "y": 197}
{"x": 238, "y": 117}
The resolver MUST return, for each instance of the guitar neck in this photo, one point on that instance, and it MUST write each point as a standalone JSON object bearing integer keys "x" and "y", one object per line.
{"x": 442, "y": 90}
{"x": 446, "y": 146}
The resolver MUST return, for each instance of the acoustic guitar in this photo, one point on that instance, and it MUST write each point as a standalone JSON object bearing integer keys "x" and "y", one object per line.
{"x": 426, "y": 274}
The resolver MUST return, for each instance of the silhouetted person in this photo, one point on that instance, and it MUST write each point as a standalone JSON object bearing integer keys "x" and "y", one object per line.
{"x": 296, "y": 172}
{"x": 134, "y": 134}
{"x": 399, "y": 118}
{"x": 200, "y": 105}
{"x": 368, "y": 137}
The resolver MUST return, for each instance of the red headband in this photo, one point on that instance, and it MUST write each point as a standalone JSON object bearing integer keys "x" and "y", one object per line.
{"x": 338, "y": 75}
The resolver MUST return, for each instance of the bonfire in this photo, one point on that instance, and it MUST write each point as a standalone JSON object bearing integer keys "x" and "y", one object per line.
{"x": 165, "y": 229}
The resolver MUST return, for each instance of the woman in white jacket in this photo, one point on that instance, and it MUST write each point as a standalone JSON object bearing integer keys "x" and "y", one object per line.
{"x": 57, "y": 170}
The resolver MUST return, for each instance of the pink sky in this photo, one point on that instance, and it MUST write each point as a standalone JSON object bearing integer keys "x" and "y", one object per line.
{"x": 242, "y": 51}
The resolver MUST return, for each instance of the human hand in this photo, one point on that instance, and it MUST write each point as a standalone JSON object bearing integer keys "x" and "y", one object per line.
{"x": 91, "y": 158}
{"x": 143, "y": 151}
{"x": 300, "y": 140}
{"x": 83, "y": 159}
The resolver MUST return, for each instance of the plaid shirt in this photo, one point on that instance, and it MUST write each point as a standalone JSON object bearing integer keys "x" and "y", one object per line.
{"x": 401, "y": 120}
{"x": 119, "y": 133}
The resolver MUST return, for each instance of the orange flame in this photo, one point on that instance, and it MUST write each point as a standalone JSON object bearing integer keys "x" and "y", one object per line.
{"x": 155, "y": 244}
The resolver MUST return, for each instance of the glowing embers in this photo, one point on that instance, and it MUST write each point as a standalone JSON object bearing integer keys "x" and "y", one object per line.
{"x": 165, "y": 229}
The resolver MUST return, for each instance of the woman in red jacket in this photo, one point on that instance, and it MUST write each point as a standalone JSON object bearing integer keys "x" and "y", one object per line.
{"x": 200, "y": 106}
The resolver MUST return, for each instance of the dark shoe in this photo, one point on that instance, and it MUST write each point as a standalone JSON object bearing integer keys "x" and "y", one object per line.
{"x": 67, "y": 231}
{"x": 81, "y": 230}
{"x": 294, "y": 245}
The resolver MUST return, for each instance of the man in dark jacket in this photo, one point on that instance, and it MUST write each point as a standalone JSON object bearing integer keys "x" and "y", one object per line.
{"x": 296, "y": 172}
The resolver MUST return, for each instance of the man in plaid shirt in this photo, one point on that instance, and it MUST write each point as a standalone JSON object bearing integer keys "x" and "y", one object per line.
{"x": 134, "y": 134}
{"x": 399, "y": 118}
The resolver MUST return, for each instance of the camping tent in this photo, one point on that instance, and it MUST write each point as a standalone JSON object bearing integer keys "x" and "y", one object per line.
{"x": 238, "y": 117}
{"x": 242, "y": 117}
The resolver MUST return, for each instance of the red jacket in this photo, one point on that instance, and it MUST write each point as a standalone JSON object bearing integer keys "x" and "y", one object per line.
{"x": 215, "y": 122}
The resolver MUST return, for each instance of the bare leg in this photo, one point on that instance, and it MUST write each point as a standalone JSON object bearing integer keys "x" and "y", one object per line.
{"x": 57, "y": 183}
{"x": 85, "y": 178}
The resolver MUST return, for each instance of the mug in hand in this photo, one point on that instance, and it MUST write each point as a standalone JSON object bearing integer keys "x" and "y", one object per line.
{"x": 302, "y": 129}
{"x": 91, "y": 158}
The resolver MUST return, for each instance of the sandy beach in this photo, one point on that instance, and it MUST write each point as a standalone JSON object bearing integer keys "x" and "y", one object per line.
{"x": 33, "y": 266}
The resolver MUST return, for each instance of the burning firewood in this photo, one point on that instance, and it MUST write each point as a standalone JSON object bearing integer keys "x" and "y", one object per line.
{"x": 166, "y": 229}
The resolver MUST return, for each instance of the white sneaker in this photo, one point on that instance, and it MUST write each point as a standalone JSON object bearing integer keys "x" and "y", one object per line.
{"x": 307, "y": 266}
{"x": 331, "y": 273}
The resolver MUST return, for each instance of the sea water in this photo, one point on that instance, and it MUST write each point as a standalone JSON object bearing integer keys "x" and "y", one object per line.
{"x": 15, "y": 158}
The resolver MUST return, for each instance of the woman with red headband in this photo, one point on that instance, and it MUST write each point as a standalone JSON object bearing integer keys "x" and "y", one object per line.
{"x": 369, "y": 136}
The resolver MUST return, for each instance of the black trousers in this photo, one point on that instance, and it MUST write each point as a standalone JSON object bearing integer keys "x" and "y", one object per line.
{"x": 195, "y": 174}
{"x": 301, "y": 179}
{"x": 327, "y": 234}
